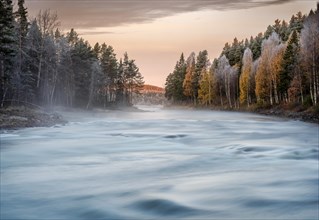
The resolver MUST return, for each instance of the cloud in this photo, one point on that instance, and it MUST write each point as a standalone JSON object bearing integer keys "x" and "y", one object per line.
{"x": 112, "y": 13}
{"x": 82, "y": 33}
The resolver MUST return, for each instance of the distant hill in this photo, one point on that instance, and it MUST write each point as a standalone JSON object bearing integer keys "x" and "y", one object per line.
{"x": 150, "y": 95}
{"x": 152, "y": 89}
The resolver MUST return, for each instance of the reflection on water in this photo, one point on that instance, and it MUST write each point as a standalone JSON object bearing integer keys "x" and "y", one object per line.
{"x": 161, "y": 164}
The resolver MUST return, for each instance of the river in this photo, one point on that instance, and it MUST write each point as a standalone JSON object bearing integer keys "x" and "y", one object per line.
{"x": 161, "y": 164}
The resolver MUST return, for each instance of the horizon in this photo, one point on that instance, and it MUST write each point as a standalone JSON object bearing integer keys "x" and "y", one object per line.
{"x": 154, "y": 35}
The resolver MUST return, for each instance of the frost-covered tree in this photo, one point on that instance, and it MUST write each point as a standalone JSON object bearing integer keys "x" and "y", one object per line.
{"x": 47, "y": 22}
{"x": 224, "y": 76}
{"x": 245, "y": 78}
{"x": 190, "y": 72}
{"x": 296, "y": 22}
{"x": 268, "y": 70}
{"x": 309, "y": 49}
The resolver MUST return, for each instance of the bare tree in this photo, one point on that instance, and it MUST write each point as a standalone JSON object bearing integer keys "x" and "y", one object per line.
{"x": 47, "y": 22}
{"x": 309, "y": 49}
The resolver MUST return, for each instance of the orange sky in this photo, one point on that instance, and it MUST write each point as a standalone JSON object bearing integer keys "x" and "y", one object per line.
{"x": 155, "y": 32}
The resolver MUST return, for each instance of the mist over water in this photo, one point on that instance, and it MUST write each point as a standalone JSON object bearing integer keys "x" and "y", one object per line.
{"x": 161, "y": 164}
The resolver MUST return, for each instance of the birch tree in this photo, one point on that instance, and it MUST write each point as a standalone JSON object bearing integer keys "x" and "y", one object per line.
{"x": 309, "y": 48}
{"x": 246, "y": 74}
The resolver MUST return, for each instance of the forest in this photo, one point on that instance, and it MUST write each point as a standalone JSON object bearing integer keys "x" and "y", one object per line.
{"x": 40, "y": 65}
{"x": 279, "y": 67}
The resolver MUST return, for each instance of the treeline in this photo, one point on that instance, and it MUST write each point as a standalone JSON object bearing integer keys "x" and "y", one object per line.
{"x": 40, "y": 65}
{"x": 280, "y": 66}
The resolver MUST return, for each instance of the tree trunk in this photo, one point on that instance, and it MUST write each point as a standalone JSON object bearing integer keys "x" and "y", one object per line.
{"x": 40, "y": 64}
{"x": 315, "y": 92}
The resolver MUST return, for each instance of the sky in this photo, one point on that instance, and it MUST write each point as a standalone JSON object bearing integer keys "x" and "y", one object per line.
{"x": 155, "y": 32}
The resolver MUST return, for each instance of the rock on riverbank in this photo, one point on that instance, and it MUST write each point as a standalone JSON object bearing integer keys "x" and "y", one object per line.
{"x": 20, "y": 117}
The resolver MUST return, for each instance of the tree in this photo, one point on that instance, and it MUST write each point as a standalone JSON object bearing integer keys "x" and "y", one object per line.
{"x": 268, "y": 70}
{"x": 245, "y": 78}
{"x": 133, "y": 80}
{"x": 309, "y": 49}
{"x": 224, "y": 72}
{"x": 202, "y": 63}
{"x": 96, "y": 73}
{"x": 64, "y": 90}
{"x": 22, "y": 20}
{"x": 19, "y": 71}
{"x": 206, "y": 87}
{"x": 72, "y": 37}
{"x": 47, "y": 22}
{"x": 255, "y": 45}
{"x": 82, "y": 60}
{"x": 30, "y": 64}
{"x": 190, "y": 72}
{"x": 112, "y": 76}
{"x": 97, "y": 51}
{"x": 296, "y": 22}
{"x": 174, "y": 82}
{"x": 7, "y": 48}
{"x": 288, "y": 65}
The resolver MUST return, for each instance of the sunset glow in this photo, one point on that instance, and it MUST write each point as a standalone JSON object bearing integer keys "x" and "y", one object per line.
{"x": 156, "y": 34}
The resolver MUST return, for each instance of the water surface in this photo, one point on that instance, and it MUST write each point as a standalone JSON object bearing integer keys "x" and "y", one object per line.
{"x": 161, "y": 164}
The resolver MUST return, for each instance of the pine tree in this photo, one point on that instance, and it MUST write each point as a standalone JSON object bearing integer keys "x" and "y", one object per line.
{"x": 268, "y": 32}
{"x": 296, "y": 22}
{"x": 22, "y": 21}
{"x": 82, "y": 59}
{"x": 132, "y": 79}
{"x": 32, "y": 50}
{"x": 20, "y": 78}
{"x": 7, "y": 48}
{"x": 190, "y": 72}
{"x": 112, "y": 77}
{"x": 202, "y": 63}
{"x": 97, "y": 50}
{"x": 174, "y": 82}
{"x": 289, "y": 63}
{"x": 72, "y": 37}
{"x": 255, "y": 46}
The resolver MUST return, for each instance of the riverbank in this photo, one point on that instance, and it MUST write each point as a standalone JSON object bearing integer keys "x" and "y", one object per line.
{"x": 22, "y": 117}
{"x": 310, "y": 115}
{"x": 12, "y": 118}
{"x": 306, "y": 115}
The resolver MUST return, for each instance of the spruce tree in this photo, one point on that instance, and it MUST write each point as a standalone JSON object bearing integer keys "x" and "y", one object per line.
{"x": 112, "y": 77}
{"x": 22, "y": 21}
{"x": 288, "y": 64}
{"x": 190, "y": 71}
{"x": 7, "y": 48}
{"x": 174, "y": 82}
{"x": 202, "y": 63}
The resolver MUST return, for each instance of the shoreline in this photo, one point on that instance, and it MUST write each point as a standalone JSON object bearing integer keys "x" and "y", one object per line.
{"x": 309, "y": 116}
{"x": 14, "y": 118}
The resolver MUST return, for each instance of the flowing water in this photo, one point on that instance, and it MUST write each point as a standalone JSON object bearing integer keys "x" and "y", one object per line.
{"x": 161, "y": 164}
